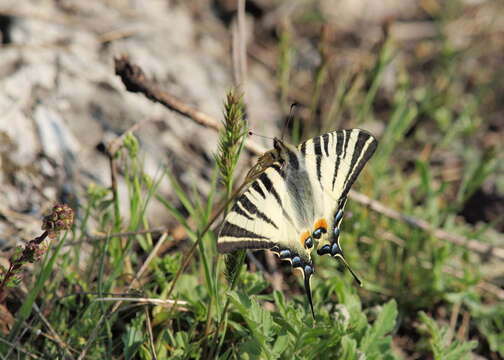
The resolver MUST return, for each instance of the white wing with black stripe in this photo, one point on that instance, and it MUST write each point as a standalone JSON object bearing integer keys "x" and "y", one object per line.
{"x": 334, "y": 161}
{"x": 258, "y": 219}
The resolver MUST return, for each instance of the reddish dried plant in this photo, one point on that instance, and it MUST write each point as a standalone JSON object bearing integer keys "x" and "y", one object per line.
{"x": 60, "y": 219}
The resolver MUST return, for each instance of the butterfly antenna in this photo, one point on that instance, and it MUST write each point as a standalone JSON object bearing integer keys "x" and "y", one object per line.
{"x": 256, "y": 134}
{"x": 308, "y": 292}
{"x": 289, "y": 118}
{"x": 350, "y": 269}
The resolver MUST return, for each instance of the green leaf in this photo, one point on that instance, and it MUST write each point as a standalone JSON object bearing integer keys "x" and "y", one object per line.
{"x": 258, "y": 320}
{"x": 374, "y": 339}
{"x": 441, "y": 341}
{"x": 251, "y": 349}
{"x": 281, "y": 344}
{"x": 348, "y": 348}
{"x": 133, "y": 338}
{"x": 490, "y": 321}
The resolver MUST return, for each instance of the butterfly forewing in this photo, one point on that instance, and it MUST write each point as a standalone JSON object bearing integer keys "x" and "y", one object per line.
{"x": 256, "y": 220}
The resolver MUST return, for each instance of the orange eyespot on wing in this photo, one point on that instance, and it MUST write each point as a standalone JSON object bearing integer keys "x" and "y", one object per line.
{"x": 303, "y": 237}
{"x": 320, "y": 228}
{"x": 320, "y": 224}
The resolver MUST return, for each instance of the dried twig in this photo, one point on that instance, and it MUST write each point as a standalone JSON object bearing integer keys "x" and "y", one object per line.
{"x": 20, "y": 349}
{"x": 153, "y": 253}
{"x": 149, "y": 331}
{"x": 152, "y": 301}
{"x": 55, "y": 336}
{"x": 135, "y": 81}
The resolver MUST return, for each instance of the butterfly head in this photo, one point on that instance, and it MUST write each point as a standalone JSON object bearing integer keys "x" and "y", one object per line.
{"x": 283, "y": 150}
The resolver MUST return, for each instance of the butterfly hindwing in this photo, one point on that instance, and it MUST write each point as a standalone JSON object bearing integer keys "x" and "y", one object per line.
{"x": 334, "y": 161}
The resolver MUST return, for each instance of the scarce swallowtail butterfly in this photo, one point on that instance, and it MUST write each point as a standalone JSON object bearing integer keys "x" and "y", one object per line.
{"x": 296, "y": 204}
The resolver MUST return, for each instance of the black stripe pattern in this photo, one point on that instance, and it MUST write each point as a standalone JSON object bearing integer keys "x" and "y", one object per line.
{"x": 293, "y": 160}
{"x": 363, "y": 139}
{"x": 252, "y": 209}
{"x": 278, "y": 169}
{"x": 256, "y": 214}
{"x": 240, "y": 211}
{"x": 325, "y": 137}
{"x": 268, "y": 185}
{"x": 235, "y": 231}
{"x": 347, "y": 134}
{"x": 229, "y": 246}
{"x": 257, "y": 187}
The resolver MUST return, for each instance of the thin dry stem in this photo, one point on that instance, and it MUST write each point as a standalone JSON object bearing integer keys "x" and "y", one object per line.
{"x": 149, "y": 331}
{"x": 55, "y": 337}
{"x": 154, "y": 230}
{"x": 14, "y": 346}
{"x": 151, "y": 256}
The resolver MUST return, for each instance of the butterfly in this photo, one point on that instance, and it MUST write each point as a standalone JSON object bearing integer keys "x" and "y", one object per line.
{"x": 296, "y": 201}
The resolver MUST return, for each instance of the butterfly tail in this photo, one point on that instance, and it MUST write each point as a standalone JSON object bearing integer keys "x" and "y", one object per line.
{"x": 307, "y": 276}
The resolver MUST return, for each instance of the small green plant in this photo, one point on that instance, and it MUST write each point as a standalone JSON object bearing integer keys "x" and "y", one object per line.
{"x": 441, "y": 343}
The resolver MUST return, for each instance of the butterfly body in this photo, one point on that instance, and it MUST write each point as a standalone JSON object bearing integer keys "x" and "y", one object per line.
{"x": 296, "y": 204}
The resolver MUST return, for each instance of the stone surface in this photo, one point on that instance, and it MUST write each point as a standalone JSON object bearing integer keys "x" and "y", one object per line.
{"x": 60, "y": 98}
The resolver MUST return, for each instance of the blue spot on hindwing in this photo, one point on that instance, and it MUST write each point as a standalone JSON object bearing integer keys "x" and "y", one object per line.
{"x": 326, "y": 249}
{"x": 308, "y": 270}
{"x": 285, "y": 254}
{"x": 296, "y": 261}
{"x": 338, "y": 216}
{"x": 335, "y": 249}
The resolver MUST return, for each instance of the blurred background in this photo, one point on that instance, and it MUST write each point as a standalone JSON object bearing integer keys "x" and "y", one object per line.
{"x": 425, "y": 77}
